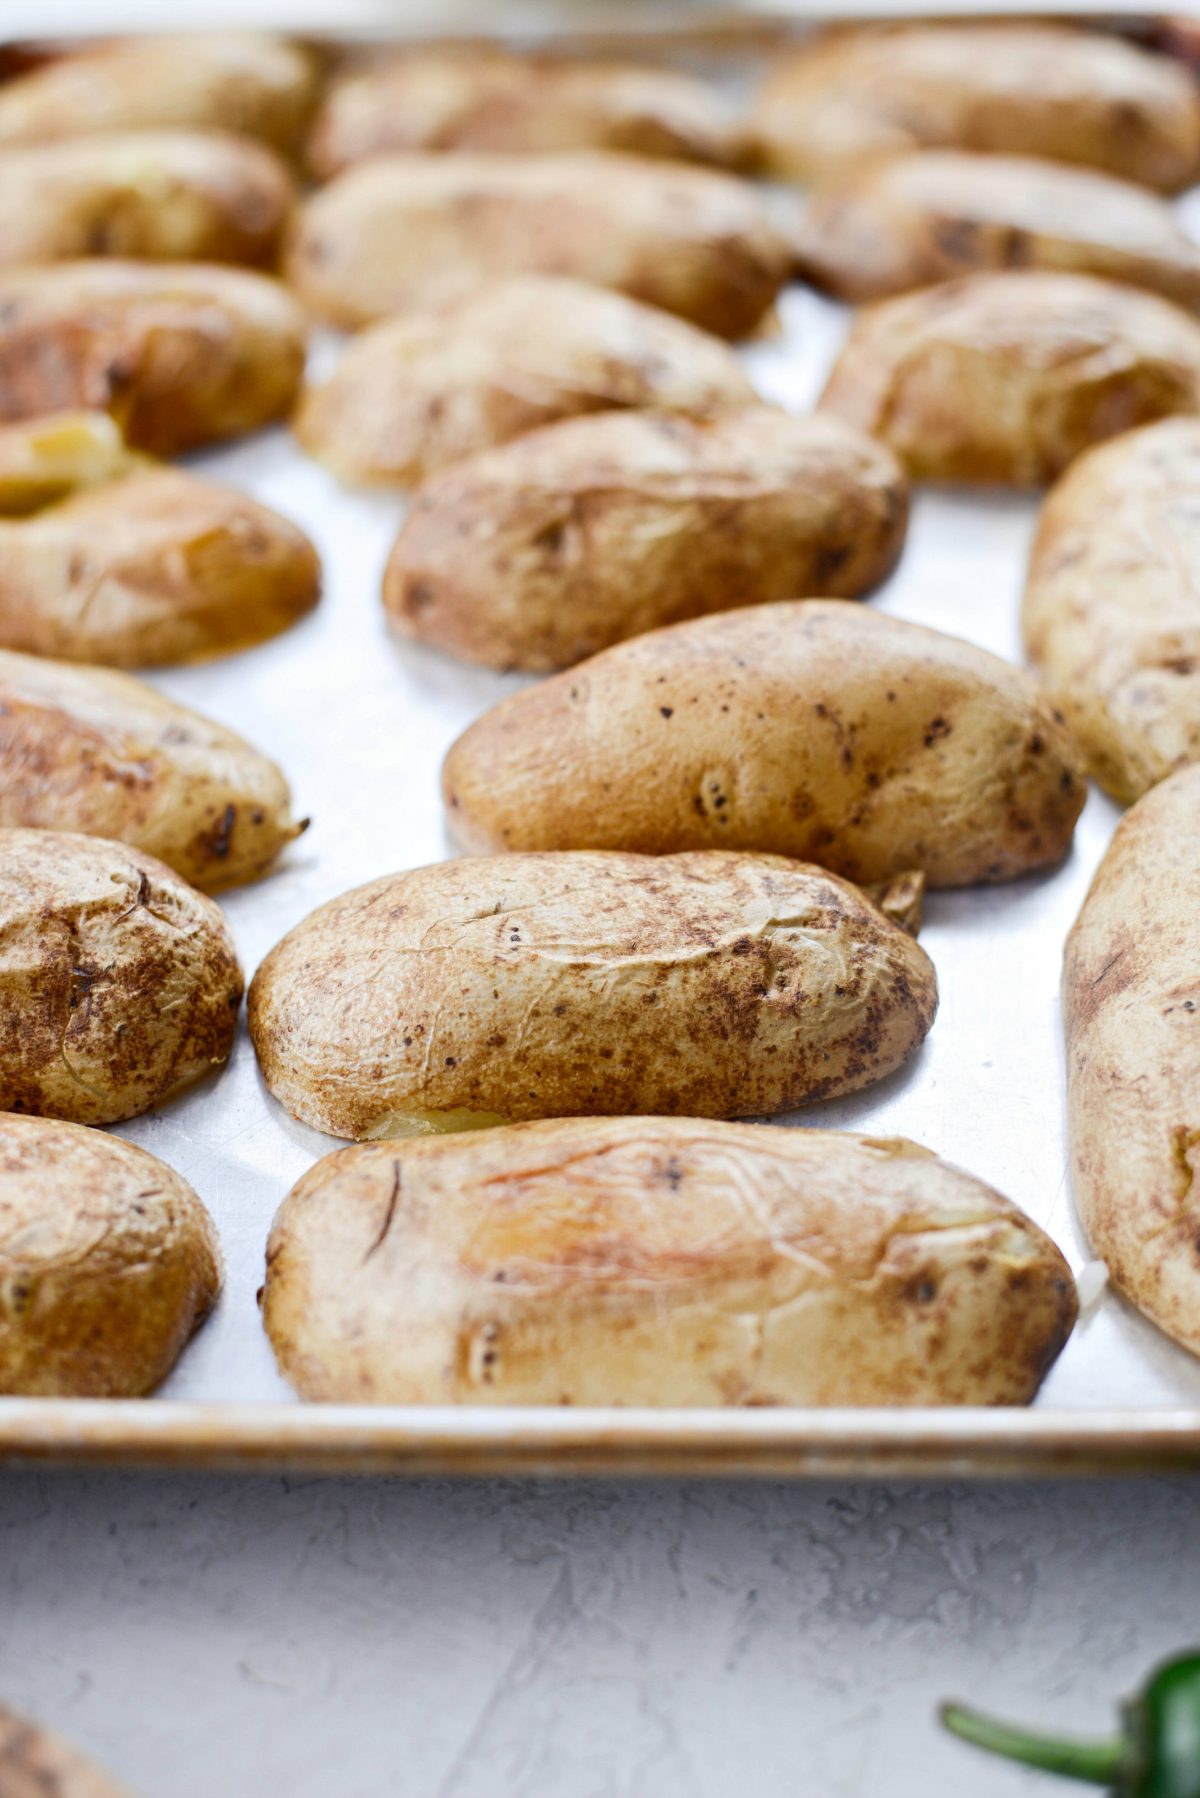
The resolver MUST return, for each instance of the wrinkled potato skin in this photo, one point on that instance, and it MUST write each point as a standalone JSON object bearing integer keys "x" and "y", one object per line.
{"x": 119, "y": 985}
{"x": 45, "y": 459}
{"x": 546, "y": 986}
{"x": 1030, "y": 89}
{"x": 658, "y": 1261}
{"x": 404, "y": 233}
{"x": 548, "y": 549}
{"x": 102, "y": 754}
{"x": 414, "y": 394}
{"x": 108, "y": 1264}
{"x": 36, "y": 1764}
{"x": 239, "y": 81}
{"x": 1006, "y": 378}
{"x": 909, "y": 221}
{"x": 180, "y": 355}
{"x": 816, "y": 729}
{"x": 1131, "y": 996}
{"x": 1112, "y": 613}
{"x": 161, "y": 567}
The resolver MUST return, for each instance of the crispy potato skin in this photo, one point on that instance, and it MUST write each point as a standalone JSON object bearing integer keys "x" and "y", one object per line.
{"x": 1112, "y": 614}
{"x": 542, "y": 986}
{"x": 403, "y": 233}
{"x": 814, "y": 729}
{"x": 413, "y": 394}
{"x": 160, "y": 567}
{"x": 909, "y": 221}
{"x": 102, "y": 754}
{"x": 108, "y": 1264}
{"x": 119, "y": 984}
{"x": 574, "y": 537}
{"x": 659, "y": 1261}
{"x": 46, "y": 458}
{"x": 1131, "y": 996}
{"x": 181, "y": 356}
{"x": 36, "y": 1764}
{"x": 1006, "y": 378}
{"x": 1022, "y": 89}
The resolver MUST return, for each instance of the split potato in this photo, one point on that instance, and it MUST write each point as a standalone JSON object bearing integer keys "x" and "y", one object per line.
{"x": 119, "y": 984}
{"x": 1131, "y": 996}
{"x": 816, "y": 729}
{"x": 413, "y": 394}
{"x": 36, "y": 1764}
{"x": 476, "y": 992}
{"x": 909, "y": 221}
{"x": 574, "y": 537}
{"x": 1030, "y": 88}
{"x": 180, "y": 355}
{"x": 659, "y": 1261}
{"x": 1006, "y": 378}
{"x": 47, "y": 458}
{"x": 404, "y": 233}
{"x": 86, "y": 750}
{"x": 108, "y": 1264}
{"x": 1112, "y": 611}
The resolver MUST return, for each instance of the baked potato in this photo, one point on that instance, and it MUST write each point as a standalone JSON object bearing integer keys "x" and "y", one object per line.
{"x": 46, "y": 458}
{"x": 180, "y": 355}
{"x": 415, "y": 393}
{"x": 1112, "y": 612}
{"x": 119, "y": 984}
{"x": 36, "y": 1764}
{"x": 659, "y": 1261}
{"x": 404, "y": 233}
{"x": 814, "y": 729}
{"x": 1131, "y": 997}
{"x": 159, "y": 567}
{"x": 908, "y": 221}
{"x": 108, "y": 1264}
{"x": 574, "y": 537}
{"x": 1006, "y": 378}
{"x": 477, "y": 992}
{"x": 86, "y": 750}
{"x": 1028, "y": 89}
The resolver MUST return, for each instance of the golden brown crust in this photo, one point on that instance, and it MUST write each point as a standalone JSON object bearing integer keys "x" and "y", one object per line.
{"x": 577, "y": 536}
{"x": 119, "y": 984}
{"x": 36, "y": 1764}
{"x": 46, "y": 458}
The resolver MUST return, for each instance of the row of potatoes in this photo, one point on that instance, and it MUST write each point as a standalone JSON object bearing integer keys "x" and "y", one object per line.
{"x": 702, "y": 842}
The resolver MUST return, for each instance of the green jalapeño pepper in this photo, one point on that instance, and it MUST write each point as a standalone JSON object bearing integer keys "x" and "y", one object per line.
{"x": 1157, "y": 1754}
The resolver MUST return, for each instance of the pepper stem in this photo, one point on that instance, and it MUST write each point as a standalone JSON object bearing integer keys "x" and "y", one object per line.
{"x": 1098, "y": 1763}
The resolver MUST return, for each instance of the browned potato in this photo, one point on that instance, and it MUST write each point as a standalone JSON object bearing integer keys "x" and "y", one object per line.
{"x": 160, "y": 567}
{"x": 180, "y": 355}
{"x": 1030, "y": 88}
{"x": 237, "y": 81}
{"x": 1131, "y": 993}
{"x": 119, "y": 985}
{"x": 1006, "y": 378}
{"x": 659, "y": 1261}
{"x": 44, "y": 459}
{"x": 108, "y": 1264}
{"x": 818, "y": 730}
{"x": 36, "y": 1764}
{"x": 413, "y": 394}
{"x": 162, "y": 195}
{"x": 911, "y": 220}
{"x": 405, "y": 233}
{"x": 541, "y": 552}
{"x": 82, "y": 749}
{"x": 544, "y": 986}
{"x": 484, "y": 98}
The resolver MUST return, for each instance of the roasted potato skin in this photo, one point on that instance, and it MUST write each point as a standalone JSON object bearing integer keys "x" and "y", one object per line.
{"x": 180, "y": 355}
{"x": 108, "y": 1263}
{"x": 814, "y": 729}
{"x": 543, "y": 986}
{"x": 414, "y": 394}
{"x": 46, "y": 458}
{"x": 404, "y": 233}
{"x": 119, "y": 984}
{"x": 161, "y": 567}
{"x": 1131, "y": 999}
{"x": 98, "y": 753}
{"x": 37, "y": 1764}
{"x": 1006, "y": 378}
{"x": 574, "y": 537}
{"x": 659, "y": 1261}
{"x": 1032, "y": 89}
